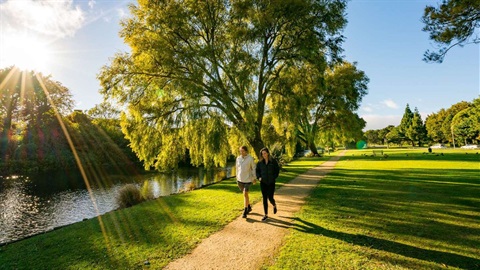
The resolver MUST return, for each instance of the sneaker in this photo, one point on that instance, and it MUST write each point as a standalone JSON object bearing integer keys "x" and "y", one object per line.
{"x": 245, "y": 211}
{"x": 249, "y": 208}
{"x": 274, "y": 209}
{"x": 264, "y": 218}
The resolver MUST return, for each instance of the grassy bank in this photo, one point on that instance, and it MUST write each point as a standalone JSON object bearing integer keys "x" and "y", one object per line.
{"x": 409, "y": 210}
{"x": 148, "y": 235}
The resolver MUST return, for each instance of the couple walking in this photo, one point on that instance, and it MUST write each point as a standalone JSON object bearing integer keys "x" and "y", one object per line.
{"x": 266, "y": 171}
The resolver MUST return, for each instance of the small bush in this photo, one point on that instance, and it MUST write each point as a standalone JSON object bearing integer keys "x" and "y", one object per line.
{"x": 129, "y": 195}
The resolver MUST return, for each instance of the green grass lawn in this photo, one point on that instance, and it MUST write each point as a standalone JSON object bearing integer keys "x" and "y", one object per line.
{"x": 148, "y": 235}
{"x": 409, "y": 210}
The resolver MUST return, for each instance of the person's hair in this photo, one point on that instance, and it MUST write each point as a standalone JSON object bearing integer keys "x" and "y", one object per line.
{"x": 244, "y": 148}
{"x": 261, "y": 156}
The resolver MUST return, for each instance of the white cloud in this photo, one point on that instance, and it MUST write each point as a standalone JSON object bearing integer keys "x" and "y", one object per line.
{"x": 91, "y": 3}
{"x": 367, "y": 109}
{"x": 375, "y": 121}
{"x": 51, "y": 18}
{"x": 390, "y": 104}
{"x": 122, "y": 13}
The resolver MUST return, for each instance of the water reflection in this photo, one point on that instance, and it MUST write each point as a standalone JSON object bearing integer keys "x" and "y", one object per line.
{"x": 29, "y": 206}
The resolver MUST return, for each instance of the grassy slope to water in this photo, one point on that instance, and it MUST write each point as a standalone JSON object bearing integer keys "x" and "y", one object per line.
{"x": 148, "y": 235}
{"x": 411, "y": 210}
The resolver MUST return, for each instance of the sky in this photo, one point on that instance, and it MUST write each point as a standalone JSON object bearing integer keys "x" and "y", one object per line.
{"x": 72, "y": 40}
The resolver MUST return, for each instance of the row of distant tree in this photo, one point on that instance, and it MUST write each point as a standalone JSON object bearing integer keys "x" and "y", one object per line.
{"x": 459, "y": 125}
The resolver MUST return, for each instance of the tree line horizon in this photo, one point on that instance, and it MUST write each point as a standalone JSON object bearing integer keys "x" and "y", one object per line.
{"x": 458, "y": 125}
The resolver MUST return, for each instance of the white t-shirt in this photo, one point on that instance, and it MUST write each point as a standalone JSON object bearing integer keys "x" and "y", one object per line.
{"x": 245, "y": 169}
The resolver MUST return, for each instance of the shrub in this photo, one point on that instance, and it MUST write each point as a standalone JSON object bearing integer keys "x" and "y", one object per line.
{"x": 129, "y": 195}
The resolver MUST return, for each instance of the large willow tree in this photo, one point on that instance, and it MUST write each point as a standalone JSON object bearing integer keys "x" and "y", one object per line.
{"x": 317, "y": 99}
{"x": 200, "y": 72}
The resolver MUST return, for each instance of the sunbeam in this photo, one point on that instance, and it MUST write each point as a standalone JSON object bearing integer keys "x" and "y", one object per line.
{"x": 77, "y": 159}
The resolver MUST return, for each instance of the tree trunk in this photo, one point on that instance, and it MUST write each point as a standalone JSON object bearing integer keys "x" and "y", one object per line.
{"x": 313, "y": 148}
{"x": 257, "y": 145}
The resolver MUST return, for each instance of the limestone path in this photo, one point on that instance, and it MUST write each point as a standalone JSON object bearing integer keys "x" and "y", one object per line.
{"x": 249, "y": 243}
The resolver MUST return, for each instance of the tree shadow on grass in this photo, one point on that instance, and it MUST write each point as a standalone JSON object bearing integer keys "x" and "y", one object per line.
{"x": 440, "y": 257}
{"x": 439, "y": 205}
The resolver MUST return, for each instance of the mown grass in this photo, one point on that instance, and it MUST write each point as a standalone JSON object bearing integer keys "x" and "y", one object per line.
{"x": 148, "y": 235}
{"x": 409, "y": 210}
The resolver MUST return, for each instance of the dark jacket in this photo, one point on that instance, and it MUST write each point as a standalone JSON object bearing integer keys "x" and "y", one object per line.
{"x": 268, "y": 172}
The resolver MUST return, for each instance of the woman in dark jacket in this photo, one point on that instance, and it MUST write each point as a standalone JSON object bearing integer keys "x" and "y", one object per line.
{"x": 267, "y": 172}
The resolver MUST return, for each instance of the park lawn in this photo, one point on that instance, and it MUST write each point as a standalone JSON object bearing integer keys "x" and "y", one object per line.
{"x": 148, "y": 235}
{"x": 406, "y": 210}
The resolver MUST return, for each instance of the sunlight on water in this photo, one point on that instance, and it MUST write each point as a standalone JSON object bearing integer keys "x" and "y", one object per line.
{"x": 30, "y": 206}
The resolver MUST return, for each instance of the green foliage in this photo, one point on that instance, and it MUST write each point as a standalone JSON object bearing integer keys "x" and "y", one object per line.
{"x": 406, "y": 121}
{"x": 95, "y": 146}
{"x": 317, "y": 99}
{"x": 42, "y": 141}
{"x": 394, "y": 136}
{"x": 104, "y": 110}
{"x": 372, "y": 137}
{"x": 451, "y": 112}
{"x": 349, "y": 129}
{"x": 32, "y": 138}
{"x": 196, "y": 63}
{"x": 439, "y": 127}
{"x": 433, "y": 124}
{"x": 207, "y": 142}
{"x": 416, "y": 132}
{"x": 452, "y": 23}
{"x": 411, "y": 129}
{"x": 379, "y": 136}
{"x": 129, "y": 195}
{"x": 461, "y": 119}
{"x": 465, "y": 124}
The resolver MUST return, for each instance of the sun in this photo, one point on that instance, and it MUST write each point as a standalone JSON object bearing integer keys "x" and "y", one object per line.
{"x": 26, "y": 52}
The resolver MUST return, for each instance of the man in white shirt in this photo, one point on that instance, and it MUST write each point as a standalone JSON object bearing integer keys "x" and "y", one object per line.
{"x": 245, "y": 169}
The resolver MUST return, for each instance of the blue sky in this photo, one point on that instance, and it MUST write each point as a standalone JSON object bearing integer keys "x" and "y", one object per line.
{"x": 384, "y": 37}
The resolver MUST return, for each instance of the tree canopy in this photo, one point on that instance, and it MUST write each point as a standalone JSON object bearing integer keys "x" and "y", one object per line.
{"x": 30, "y": 127}
{"x": 200, "y": 72}
{"x": 315, "y": 99}
{"x": 416, "y": 132}
{"x": 450, "y": 24}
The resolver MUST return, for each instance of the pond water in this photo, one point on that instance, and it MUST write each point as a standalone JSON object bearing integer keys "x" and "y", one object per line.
{"x": 33, "y": 205}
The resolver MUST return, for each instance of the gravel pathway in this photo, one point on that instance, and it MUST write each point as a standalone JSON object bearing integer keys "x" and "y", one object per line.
{"x": 250, "y": 243}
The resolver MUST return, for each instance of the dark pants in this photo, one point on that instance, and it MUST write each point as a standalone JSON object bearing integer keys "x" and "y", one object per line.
{"x": 267, "y": 193}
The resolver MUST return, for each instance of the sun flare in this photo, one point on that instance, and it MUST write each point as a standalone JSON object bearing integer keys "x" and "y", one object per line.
{"x": 25, "y": 52}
